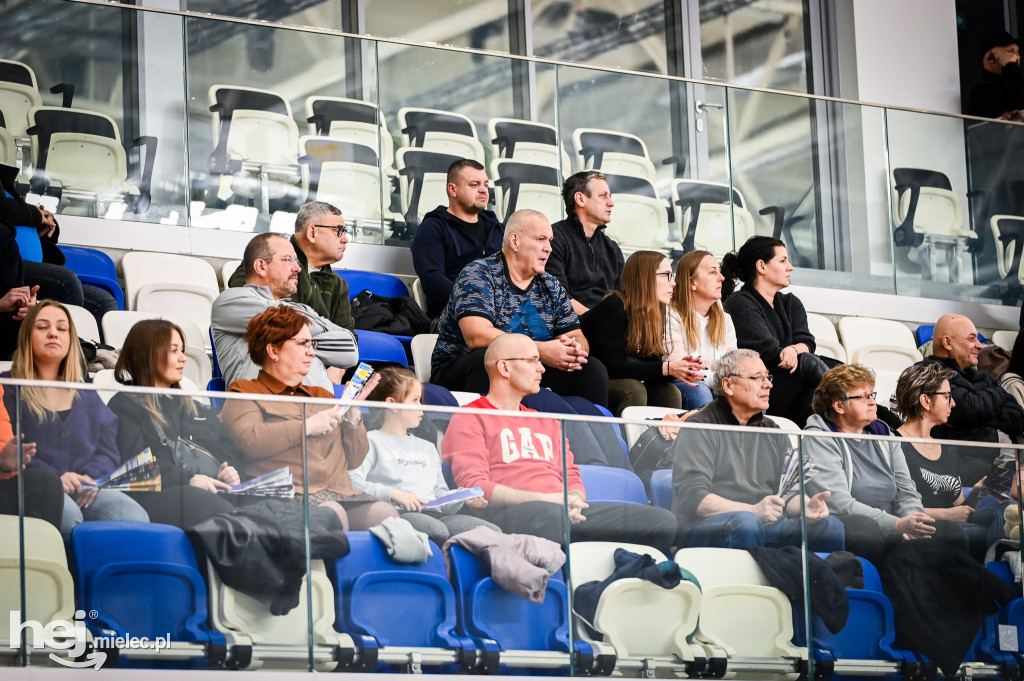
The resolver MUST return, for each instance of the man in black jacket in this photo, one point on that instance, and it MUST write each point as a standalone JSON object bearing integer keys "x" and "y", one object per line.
{"x": 1000, "y": 92}
{"x": 983, "y": 411}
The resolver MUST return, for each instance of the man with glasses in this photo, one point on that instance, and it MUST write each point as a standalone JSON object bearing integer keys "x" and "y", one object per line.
{"x": 320, "y": 240}
{"x": 984, "y": 411}
{"x": 272, "y": 273}
{"x": 584, "y": 259}
{"x": 518, "y": 462}
{"x": 725, "y": 484}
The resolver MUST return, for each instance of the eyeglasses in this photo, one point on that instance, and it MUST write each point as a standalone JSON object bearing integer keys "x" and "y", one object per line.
{"x": 868, "y": 396}
{"x": 668, "y": 275}
{"x": 532, "y": 361}
{"x": 289, "y": 259}
{"x": 339, "y": 229}
{"x": 756, "y": 379}
{"x": 305, "y": 343}
{"x": 948, "y": 394}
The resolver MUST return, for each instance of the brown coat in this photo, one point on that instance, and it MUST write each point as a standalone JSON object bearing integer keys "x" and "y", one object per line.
{"x": 270, "y": 435}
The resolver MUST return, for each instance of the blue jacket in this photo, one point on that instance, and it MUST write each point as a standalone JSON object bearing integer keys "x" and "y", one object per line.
{"x": 440, "y": 249}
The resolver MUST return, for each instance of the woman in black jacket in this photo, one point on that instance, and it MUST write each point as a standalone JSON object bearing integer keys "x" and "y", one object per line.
{"x": 153, "y": 355}
{"x": 773, "y": 323}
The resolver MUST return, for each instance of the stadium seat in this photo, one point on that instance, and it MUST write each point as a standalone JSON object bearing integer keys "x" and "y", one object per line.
{"x": 924, "y": 333}
{"x": 95, "y": 268}
{"x": 422, "y": 347}
{"x": 344, "y": 174}
{"x": 257, "y": 142}
{"x": 8, "y": 146}
{"x": 352, "y": 120}
{"x": 387, "y": 285}
{"x": 527, "y": 185}
{"x": 19, "y": 92}
{"x": 418, "y": 295}
{"x": 407, "y": 607}
{"x": 1004, "y": 339}
{"x": 464, "y": 397}
{"x": 639, "y": 618}
{"x": 885, "y": 385}
{"x": 528, "y": 142}
{"x": 529, "y": 635}
{"x": 930, "y": 216}
{"x": 640, "y": 218}
{"x": 49, "y": 589}
{"x": 635, "y": 430}
{"x": 787, "y": 424}
{"x": 881, "y": 344}
{"x": 712, "y": 216}
{"x": 78, "y": 156}
{"x": 1008, "y": 238}
{"x": 226, "y": 270}
{"x": 142, "y": 579}
{"x": 281, "y": 639}
{"x": 423, "y": 182}
{"x": 740, "y": 613}
{"x": 826, "y": 339}
{"x": 85, "y": 323}
{"x": 380, "y": 347}
{"x": 661, "y": 488}
{"x": 445, "y": 132}
{"x": 29, "y": 245}
{"x": 605, "y": 484}
{"x": 612, "y": 152}
{"x": 170, "y": 283}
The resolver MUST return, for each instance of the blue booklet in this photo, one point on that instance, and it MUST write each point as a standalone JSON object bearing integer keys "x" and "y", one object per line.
{"x": 457, "y": 496}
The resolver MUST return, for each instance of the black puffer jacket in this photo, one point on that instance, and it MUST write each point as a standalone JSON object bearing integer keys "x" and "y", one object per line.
{"x": 982, "y": 406}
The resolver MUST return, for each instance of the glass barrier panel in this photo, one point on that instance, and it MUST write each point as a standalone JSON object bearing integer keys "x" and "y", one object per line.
{"x": 94, "y": 150}
{"x": 312, "y": 13}
{"x": 279, "y": 117}
{"x": 994, "y": 206}
{"x": 476, "y": 25}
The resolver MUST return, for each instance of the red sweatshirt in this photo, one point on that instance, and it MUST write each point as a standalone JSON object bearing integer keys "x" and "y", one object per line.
{"x": 521, "y": 453}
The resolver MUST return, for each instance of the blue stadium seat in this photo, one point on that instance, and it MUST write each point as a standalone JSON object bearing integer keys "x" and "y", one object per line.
{"x": 924, "y": 333}
{"x": 381, "y": 602}
{"x": 382, "y": 284}
{"x": 618, "y": 431}
{"x": 612, "y": 485}
{"x": 95, "y": 268}
{"x": 380, "y": 347}
{"x": 213, "y": 353}
{"x": 216, "y": 384}
{"x": 529, "y": 635}
{"x": 986, "y": 647}
{"x": 142, "y": 579}
{"x": 28, "y": 244}
{"x": 661, "y": 488}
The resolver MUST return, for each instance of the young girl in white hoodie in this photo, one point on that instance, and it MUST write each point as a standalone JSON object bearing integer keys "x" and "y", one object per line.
{"x": 406, "y": 470}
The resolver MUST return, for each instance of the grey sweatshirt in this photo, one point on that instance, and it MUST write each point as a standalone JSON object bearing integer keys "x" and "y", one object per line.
{"x": 835, "y": 465}
{"x": 406, "y": 462}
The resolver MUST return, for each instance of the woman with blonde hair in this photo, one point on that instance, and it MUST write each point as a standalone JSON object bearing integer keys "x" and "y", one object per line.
{"x": 627, "y": 332}
{"x": 699, "y": 329}
{"x": 75, "y": 433}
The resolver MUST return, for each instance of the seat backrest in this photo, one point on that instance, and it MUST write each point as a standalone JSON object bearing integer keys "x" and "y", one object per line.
{"x": 19, "y": 92}
{"x": 94, "y": 267}
{"x": 226, "y": 270}
{"x": 595, "y": 560}
{"x": 821, "y": 328}
{"x": 387, "y": 285}
{"x": 141, "y": 268}
{"x": 424, "y": 180}
{"x": 605, "y": 484}
{"x": 591, "y": 143}
{"x": 527, "y": 142}
{"x": 419, "y": 126}
{"x": 939, "y": 209}
{"x": 8, "y": 147}
{"x": 640, "y": 218}
{"x": 263, "y": 137}
{"x": 87, "y": 163}
{"x": 422, "y": 347}
{"x": 47, "y": 121}
{"x": 380, "y": 347}
{"x": 50, "y": 590}
{"x": 527, "y": 185}
{"x": 856, "y": 332}
{"x": 1004, "y": 339}
{"x": 85, "y": 323}
{"x": 464, "y": 397}
{"x": 140, "y": 579}
{"x": 29, "y": 245}
{"x": 661, "y": 488}
{"x": 353, "y": 120}
{"x": 645, "y": 413}
{"x": 714, "y": 566}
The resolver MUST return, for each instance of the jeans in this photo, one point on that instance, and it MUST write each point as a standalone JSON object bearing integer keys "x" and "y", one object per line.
{"x": 108, "y": 505}
{"x": 739, "y": 529}
{"x": 694, "y": 396}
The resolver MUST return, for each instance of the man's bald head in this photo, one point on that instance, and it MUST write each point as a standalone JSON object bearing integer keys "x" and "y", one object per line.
{"x": 956, "y": 337}
{"x": 505, "y": 346}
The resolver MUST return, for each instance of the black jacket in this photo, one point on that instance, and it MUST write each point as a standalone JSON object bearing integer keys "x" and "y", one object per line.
{"x": 136, "y": 431}
{"x": 996, "y": 93}
{"x": 586, "y": 268}
{"x": 767, "y": 330}
{"x": 605, "y": 328}
{"x": 982, "y": 406}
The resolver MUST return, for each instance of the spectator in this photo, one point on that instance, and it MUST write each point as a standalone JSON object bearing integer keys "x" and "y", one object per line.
{"x": 924, "y": 400}
{"x": 75, "y": 433}
{"x": 403, "y": 469}
{"x": 14, "y": 305}
{"x": 1000, "y": 92}
{"x": 699, "y": 330}
{"x": 627, "y": 329}
{"x": 584, "y": 260}
{"x": 518, "y": 462}
{"x": 275, "y": 434}
{"x": 450, "y": 238}
{"x": 773, "y": 323}
{"x": 44, "y": 493}
{"x": 872, "y": 491}
{"x": 725, "y": 483}
{"x": 153, "y": 355}
{"x": 509, "y": 292}
{"x": 320, "y": 240}
{"x": 984, "y": 412}
{"x": 272, "y": 275}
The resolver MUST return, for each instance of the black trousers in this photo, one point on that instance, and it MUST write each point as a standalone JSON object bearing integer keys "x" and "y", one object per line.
{"x": 44, "y": 495}
{"x": 865, "y": 538}
{"x": 624, "y": 523}
{"x": 792, "y": 392}
{"x": 467, "y": 372}
{"x": 184, "y": 505}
